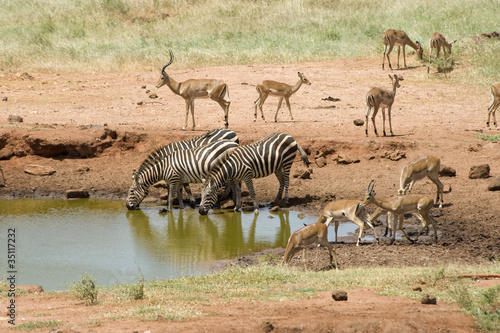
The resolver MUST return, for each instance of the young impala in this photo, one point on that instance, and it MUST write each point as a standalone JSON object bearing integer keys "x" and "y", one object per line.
{"x": 437, "y": 42}
{"x": 281, "y": 90}
{"x": 400, "y": 39}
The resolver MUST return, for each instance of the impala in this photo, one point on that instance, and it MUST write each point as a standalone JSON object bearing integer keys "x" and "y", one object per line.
{"x": 309, "y": 234}
{"x": 196, "y": 88}
{"x": 437, "y": 42}
{"x": 402, "y": 204}
{"x": 281, "y": 90}
{"x": 382, "y": 98}
{"x": 426, "y": 166}
{"x": 346, "y": 211}
{"x": 398, "y": 38}
{"x": 495, "y": 102}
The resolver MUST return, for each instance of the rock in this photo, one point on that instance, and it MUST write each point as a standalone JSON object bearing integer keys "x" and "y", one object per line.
{"x": 339, "y": 295}
{"x": 5, "y": 98}
{"x": 275, "y": 209}
{"x": 359, "y": 122}
{"x": 428, "y": 299}
{"x": 394, "y": 155}
{"x": 302, "y": 174}
{"x": 494, "y": 184}
{"x": 479, "y": 171}
{"x": 77, "y": 194}
{"x": 320, "y": 162}
{"x": 267, "y": 327}
{"x": 447, "y": 171}
{"x": 342, "y": 159}
{"x": 15, "y": 119}
{"x": 39, "y": 170}
{"x": 417, "y": 288}
{"x": 153, "y": 96}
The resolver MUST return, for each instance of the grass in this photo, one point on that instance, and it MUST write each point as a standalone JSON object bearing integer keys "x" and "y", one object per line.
{"x": 36, "y": 325}
{"x": 488, "y": 137}
{"x": 125, "y": 35}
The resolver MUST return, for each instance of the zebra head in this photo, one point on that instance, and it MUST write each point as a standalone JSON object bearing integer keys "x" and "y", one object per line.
{"x": 136, "y": 193}
{"x": 209, "y": 196}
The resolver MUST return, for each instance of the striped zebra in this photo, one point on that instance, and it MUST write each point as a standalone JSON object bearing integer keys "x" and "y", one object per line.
{"x": 273, "y": 154}
{"x": 179, "y": 167}
{"x": 197, "y": 141}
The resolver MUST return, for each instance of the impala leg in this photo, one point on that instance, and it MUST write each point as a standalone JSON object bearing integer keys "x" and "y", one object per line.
{"x": 390, "y": 122}
{"x": 434, "y": 178}
{"x": 289, "y": 108}
{"x": 331, "y": 251}
{"x": 279, "y": 106}
{"x": 192, "y": 116}
{"x": 304, "y": 257}
{"x": 401, "y": 227}
{"x": 367, "y": 116}
{"x": 383, "y": 121}
{"x": 375, "y": 111}
{"x": 404, "y": 54}
{"x": 387, "y": 55}
{"x": 259, "y": 103}
{"x": 399, "y": 51}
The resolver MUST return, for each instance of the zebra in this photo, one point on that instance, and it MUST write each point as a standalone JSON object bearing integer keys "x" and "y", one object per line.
{"x": 272, "y": 154}
{"x": 179, "y": 167}
{"x": 197, "y": 141}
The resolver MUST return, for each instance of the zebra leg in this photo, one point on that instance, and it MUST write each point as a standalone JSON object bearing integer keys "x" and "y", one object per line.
{"x": 192, "y": 202}
{"x": 237, "y": 196}
{"x": 249, "y": 184}
{"x": 279, "y": 174}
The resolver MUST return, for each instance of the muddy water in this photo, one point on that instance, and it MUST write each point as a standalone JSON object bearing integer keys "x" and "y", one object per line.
{"x": 58, "y": 241}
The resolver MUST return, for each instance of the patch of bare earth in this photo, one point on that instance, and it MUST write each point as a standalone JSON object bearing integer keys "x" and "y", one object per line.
{"x": 94, "y": 129}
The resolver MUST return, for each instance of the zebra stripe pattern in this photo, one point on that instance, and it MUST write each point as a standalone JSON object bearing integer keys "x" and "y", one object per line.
{"x": 179, "y": 167}
{"x": 197, "y": 141}
{"x": 273, "y": 154}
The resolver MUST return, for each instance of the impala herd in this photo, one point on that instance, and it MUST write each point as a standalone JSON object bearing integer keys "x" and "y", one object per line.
{"x": 347, "y": 210}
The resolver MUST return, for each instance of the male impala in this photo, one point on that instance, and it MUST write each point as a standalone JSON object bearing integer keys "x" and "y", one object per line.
{"x": 382, "y": 98}
{"x": 281, "y": 90}
{"x": 196, "y": 88}
{"x": 426, "y": 166}
{"x": 437, "y": 42}
{"x": 403, "y": 204}
{"x": 346, "y": 211}
{"x": 312, "y": 233}
{"x": 398, "y": 38}
{"x": 495, "y": 102}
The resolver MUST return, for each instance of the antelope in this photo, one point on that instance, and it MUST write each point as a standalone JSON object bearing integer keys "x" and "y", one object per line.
{"x": 402, "y": 204}
{"x": 381, "y": 98}
{"x": 282, "y": 90}
{"x": 346, "y": 211}
{"x": 398, "y": 38}
{"x": 196, "y": 88}
{"x": 437, "y": 42}
{"x": 426, "y": 166}
{"x": 495, "y": 102}
{"x": 309, "y": 234}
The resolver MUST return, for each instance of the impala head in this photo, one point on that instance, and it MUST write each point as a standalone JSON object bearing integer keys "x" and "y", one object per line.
{"x": 403, "y": 191}
{"x": 397, "y": 78}
{"x": 209, "y": 196}
{"x": 304, "y": 79}
{"x": 448, "y": 46}
{"x": 164, "y": 76}
{"x": 420, "y": 50}
{"x": 370, "y": 193}
{"x": 136, "y": 193}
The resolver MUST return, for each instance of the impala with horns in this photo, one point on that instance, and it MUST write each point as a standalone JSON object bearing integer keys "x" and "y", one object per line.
{"x": 281, "y": 90}
{"x": 307, "y": 235}
{"x": 196, "y": 88}
{"x": 402, "y": 204}
{"x": 437, "y": 42}
{"x": 400, "y": 39}
{"x": 346, "y": 211}
{"x": 425, "y": 166}
{"x": 377, "y": 98}
{"x": 495, "y": 102}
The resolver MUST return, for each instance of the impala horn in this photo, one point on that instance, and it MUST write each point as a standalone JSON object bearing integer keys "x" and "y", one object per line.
{"x": 168, "y": 63}
{"x": 368, "y": 189}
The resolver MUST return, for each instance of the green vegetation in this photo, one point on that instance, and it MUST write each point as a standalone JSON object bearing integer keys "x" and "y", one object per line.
{"x": 85, "y": 289}
{"x": 488, "y": 137}
{"x": 35, "y": 325}
{"x": 117, "y": 35}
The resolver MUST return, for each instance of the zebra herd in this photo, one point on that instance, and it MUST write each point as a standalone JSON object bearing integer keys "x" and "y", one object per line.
{"x": 216, "y": 159}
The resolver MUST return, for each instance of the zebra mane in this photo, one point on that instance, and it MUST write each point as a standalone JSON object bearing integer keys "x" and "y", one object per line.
{"x": 156, "y": 156}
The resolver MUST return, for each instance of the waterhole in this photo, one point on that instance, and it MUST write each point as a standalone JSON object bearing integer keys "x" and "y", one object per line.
{"x": 59, "y": 241}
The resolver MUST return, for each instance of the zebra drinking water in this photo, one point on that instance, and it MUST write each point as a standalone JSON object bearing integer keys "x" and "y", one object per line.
{"x": 197, "y": 141}
{"x": 273, "y": 154}
{"x": 179, "y": 167}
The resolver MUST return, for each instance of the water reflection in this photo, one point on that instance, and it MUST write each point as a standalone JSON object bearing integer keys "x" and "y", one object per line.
{"x": 59, "y": 240}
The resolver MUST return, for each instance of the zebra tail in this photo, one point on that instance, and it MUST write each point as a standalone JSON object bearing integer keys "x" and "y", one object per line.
{"x": 304, "y": 156}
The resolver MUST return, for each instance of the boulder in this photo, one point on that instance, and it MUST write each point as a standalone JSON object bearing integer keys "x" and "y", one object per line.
{"x": 339, "y": 295}
{"x": 39, "y": 170}
{"x": 77, "y": 194}
{"x": 494, "y": 184}
{"x": 447, "y": 171}
{"x": 479, "y": 171}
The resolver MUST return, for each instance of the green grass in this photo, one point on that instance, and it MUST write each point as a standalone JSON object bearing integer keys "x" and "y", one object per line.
{"x": 119, "y": 35}
{"x": 36, "y": 325}
{"x": 488, "y": 137}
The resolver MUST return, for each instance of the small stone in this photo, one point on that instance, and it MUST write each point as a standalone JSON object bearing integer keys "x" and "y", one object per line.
{"x": 428, "y": 299}
{"x": 447, "y": 171}
{"x": 153, "y": 96}
{"x": 5, "y": 99}
{"x": 39, "y": 170}
{"x": 15, "y": 119}
{"x": 417, "y": 288}
{"x": 339, "y": 295}
{"x": 77, "y": 194}
{"x": 494, "y": 184}
{"x": 479, "y": 171}
{"x": 359, "y": 122}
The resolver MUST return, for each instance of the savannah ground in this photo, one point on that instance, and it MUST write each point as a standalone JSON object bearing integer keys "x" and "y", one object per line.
{"x": 89, "y": 114}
